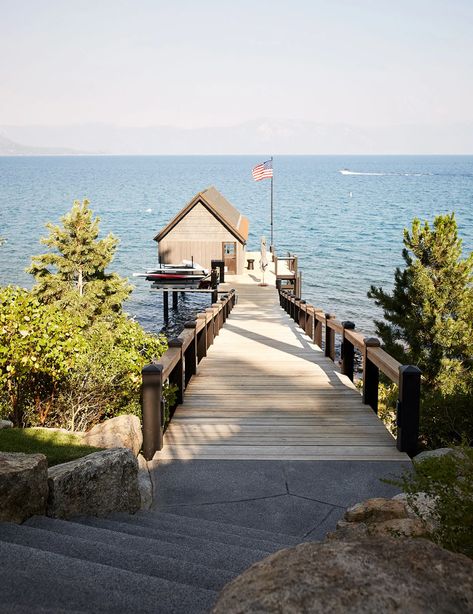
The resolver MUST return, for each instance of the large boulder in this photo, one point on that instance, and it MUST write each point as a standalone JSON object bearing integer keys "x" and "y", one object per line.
{"x": 120, "y": 432}
{"x": 370, "y": 575}
{"x": 145, "y": 484}
{"x": 23, "y": 486}
{"x": 437, "y": 453}
{"x": 6, "y": 424}
{"x": 96, "y": 485}
{"x": 376, "y": 510}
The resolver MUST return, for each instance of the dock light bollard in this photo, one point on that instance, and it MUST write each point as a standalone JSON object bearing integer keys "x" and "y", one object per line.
{"x": 370, "y": 375}
{"x": 152, "y": 409}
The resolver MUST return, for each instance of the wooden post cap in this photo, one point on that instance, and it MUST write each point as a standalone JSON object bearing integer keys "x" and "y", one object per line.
{"x": 190, "y": 324}
{"x": 348, "y": 324}
{"x": 175, "y": 343}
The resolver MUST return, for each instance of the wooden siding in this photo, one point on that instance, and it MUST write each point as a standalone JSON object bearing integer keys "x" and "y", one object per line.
{"x": 187, "y": 240}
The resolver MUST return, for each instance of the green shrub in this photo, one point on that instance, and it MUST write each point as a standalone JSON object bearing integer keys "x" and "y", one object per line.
{"x": 448, "y": 480}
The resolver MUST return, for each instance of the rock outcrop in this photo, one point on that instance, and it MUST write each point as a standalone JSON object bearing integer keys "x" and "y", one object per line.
{"x": 97, "y": 484}
{"x": 145, "y": 484}
{"x": 6, "y": 424}
{"x": 370, "y": 575}
{"x": 389, "y": 517}
{"x": 120, "y": 432}
{"x": 23, "y": 486}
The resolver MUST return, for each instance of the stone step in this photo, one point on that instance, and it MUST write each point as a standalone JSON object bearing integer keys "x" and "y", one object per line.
{"x": 114, "y": 590}
{"x": 223, "y": 527}
{"x": 115, "y": 556}
{"x": 197, "y": 531}
{"x": 183, "y": 542}
{"x": 142, "y": 543}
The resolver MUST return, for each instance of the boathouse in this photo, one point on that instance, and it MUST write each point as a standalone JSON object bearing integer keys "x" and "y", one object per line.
{"x": 207, "y": 228}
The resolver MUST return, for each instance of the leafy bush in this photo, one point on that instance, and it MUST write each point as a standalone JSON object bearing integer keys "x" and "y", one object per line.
{"x": 447, "y": 480}
{"x": 69, "y": 356}
{"x": 38, "y": 347}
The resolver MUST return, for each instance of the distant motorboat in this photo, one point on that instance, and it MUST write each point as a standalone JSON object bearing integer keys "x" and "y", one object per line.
{"x": 184, "y": 275}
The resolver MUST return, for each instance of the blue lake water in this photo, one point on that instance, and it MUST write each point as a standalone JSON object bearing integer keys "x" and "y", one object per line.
{"x": 346, "y": 229}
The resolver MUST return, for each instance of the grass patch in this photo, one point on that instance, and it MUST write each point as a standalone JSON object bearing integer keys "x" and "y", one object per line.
{"x": 58, "y": 447}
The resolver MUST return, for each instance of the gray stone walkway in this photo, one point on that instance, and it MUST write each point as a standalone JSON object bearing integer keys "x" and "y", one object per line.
{"x": 300, "y": 498}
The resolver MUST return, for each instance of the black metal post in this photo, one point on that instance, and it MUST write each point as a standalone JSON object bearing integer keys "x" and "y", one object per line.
{"x": 348, "y": 351}
{"x": 166, "y": 306}
{"x": 202, "y": 338}
{"x": 190, "y": 355}
{"x": 174, "y": 299}
{"x": 370, "y": 375}
{"x": 151, "y": 409}
{"x": 329, "y": 337}
{"x": 302, "y": 314}
{"x": 408, "y": 406}
{"x": 176, "y": 377}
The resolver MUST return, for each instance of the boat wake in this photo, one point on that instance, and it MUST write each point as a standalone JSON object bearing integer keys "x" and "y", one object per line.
{"x": 345, "y": 171}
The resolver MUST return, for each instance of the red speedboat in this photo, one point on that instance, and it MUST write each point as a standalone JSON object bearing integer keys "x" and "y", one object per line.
{"x": 184, "y": 275}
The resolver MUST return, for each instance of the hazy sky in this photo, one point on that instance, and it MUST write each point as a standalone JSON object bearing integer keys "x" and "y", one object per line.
{"x": 205, "y": 62}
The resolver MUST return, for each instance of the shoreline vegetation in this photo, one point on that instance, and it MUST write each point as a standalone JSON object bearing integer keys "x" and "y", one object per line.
{"x": 69, "y": 356}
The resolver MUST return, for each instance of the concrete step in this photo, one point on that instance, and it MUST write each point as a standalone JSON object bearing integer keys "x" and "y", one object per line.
{"x": 191, "y": 530}
{"x": 184, "y": 542}
{"x": 115, "y": 556}
{"x": 223, "y": 527}
{"x": 141, "y": 542}
{"x": 38, "y": 578}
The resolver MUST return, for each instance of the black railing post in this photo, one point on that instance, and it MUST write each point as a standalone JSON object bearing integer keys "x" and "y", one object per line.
{"x": 347, "y": 351}
{"x": 408, "y": 409}
{"x": 329, "y": 337}
{"x": 310, "y": 322}
{"x": 202, "y": 338}
{"x": 151, "y": 409}
{"x": 210, "y": 327}
{"x": 190, "y": 355}
{"x": 317, "y": 329}
{"x": 296, "y": 308}
{"x": 302, "y": 314}
{"x": 176, "y": 377}
{"x": 370, "y": 375}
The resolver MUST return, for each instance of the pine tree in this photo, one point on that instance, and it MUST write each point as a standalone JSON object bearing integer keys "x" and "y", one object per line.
{"x": 73, "y": 273}
{"x": 429, "y": 323}
{"x": 428, "y": 316}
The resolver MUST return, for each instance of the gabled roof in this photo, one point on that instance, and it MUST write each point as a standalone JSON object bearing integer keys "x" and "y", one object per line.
{"x": 219, "y": 206}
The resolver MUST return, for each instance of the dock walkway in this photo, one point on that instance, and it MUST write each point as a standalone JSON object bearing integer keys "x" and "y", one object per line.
{"x": 266, "y": 392}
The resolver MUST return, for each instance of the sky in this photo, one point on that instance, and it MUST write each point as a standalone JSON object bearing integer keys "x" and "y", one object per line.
{"x": 201, "y": 63}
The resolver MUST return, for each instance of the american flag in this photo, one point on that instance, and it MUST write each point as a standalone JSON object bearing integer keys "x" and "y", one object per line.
{"x": 263, "y": 171}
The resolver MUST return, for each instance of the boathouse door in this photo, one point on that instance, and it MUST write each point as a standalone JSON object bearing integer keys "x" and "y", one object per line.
{"x": 229, "y": 256}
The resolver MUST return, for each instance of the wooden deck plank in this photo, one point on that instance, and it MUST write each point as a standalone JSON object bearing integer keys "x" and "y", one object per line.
{"x": 265, "y": 391}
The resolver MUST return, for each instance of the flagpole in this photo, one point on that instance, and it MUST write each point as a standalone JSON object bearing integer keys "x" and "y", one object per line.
{"x": 271, "y": 249}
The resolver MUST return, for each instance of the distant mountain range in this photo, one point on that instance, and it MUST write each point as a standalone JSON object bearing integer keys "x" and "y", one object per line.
{"x": 11, "y": 148}
{"x": 263, "y": 137}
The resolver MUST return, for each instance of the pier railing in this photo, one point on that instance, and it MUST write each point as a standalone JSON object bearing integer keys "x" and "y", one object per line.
{"x": 177, "y": 366}
{"x": 322, "y": 327}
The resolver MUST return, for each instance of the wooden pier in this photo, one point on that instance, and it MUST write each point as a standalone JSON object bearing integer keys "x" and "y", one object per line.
{"x": 266, "y": 391}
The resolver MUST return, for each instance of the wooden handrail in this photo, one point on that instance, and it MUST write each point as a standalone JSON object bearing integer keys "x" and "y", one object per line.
{"x": 375, "y": 360}
{"x": 177, "y": 365}
{"x": 385, "y": 363}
